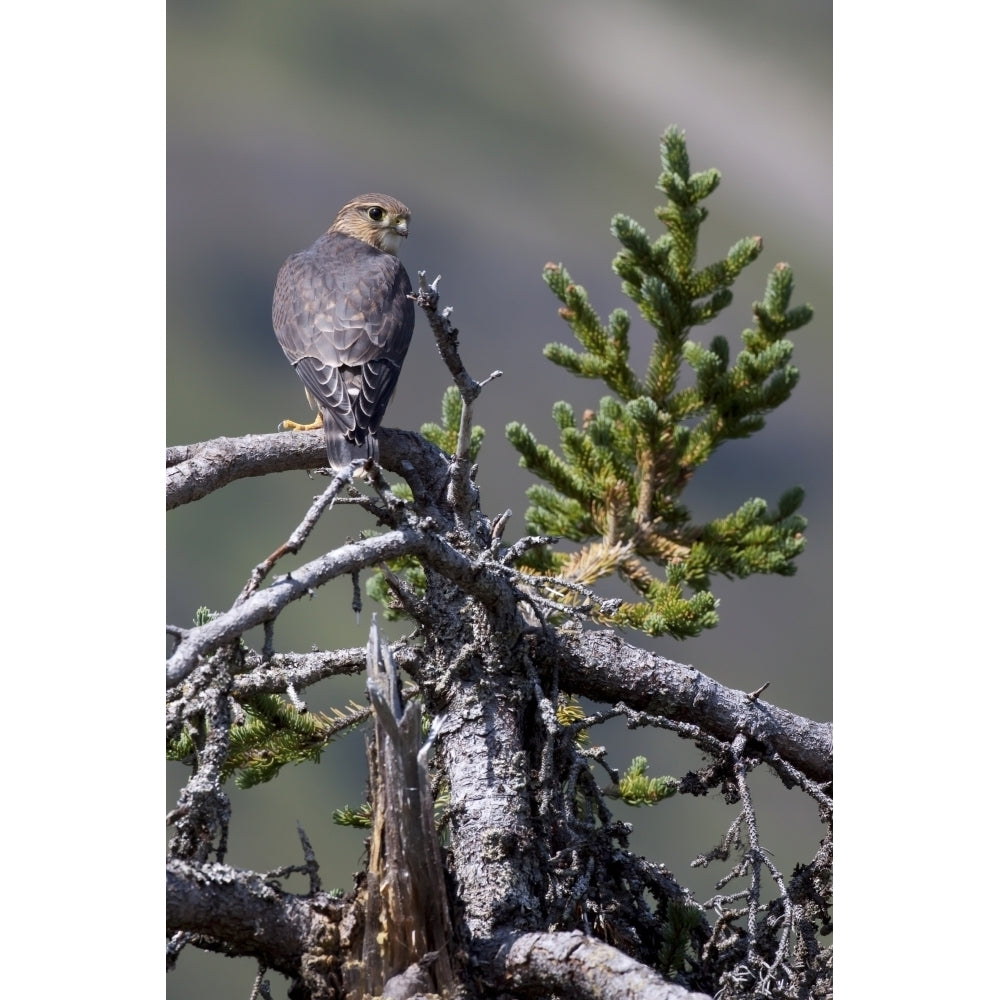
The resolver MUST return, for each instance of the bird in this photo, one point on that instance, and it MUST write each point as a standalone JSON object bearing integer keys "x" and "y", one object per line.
{"x": 343, "y": 314}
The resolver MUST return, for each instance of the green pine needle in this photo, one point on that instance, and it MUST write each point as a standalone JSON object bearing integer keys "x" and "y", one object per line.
{"x": 360, "y": 817}
{"x": 637, "y": 788}
{"x": 273, "y": 734}
{"x": 445, "y": 434}
{"x": 624, "y": 465}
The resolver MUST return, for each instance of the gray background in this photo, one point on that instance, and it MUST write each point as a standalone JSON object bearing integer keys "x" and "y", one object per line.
{"x": 514, "y": 132}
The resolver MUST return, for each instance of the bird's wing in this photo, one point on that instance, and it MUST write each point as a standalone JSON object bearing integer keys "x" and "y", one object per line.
{"x": 343, "y": 318}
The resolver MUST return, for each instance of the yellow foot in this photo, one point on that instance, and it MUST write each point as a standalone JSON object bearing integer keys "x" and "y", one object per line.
{"x": 291, "y": 425}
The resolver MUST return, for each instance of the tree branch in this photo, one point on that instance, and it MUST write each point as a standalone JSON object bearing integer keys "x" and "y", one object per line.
{"x": 265, "y": 605}
{"x": 196, "y": 470}
{"x": 446, "y": 338}
{"x": 300, "y": 670}
{"x": 462, "y": 495}
{"x": 570, "y": 964}
{"x": 244, "y": 914}
{"x": 601, "y": 665}
{"x": 476, "y": 578}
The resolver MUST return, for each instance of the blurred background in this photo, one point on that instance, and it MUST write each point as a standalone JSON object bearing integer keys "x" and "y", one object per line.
{"x": 514, "y": 132}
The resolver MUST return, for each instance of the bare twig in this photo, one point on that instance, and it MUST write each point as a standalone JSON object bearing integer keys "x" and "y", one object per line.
{"x": 265, "y": 605}
{"x": 461, "y": 494}
{"x": 311, "y": 864}
{"x": 446, "y": 338}
{"x": 295, "y": 540}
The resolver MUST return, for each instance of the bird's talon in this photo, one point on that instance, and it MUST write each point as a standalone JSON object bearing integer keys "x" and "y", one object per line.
{"x": 291, "y": 425}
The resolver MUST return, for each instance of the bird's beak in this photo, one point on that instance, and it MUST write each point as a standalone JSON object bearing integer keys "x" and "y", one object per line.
{"x": 402, "y": 227}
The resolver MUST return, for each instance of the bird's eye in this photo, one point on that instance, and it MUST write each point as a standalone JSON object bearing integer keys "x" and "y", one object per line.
{"x": 376, "y": 214}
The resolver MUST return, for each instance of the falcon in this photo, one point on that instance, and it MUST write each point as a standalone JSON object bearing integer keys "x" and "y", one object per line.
{"x": 343, "y": 316}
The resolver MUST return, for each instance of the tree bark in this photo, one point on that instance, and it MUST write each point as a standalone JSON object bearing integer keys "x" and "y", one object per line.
{"x": 533, "y": 854}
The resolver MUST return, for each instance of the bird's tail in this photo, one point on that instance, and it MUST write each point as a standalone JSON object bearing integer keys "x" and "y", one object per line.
{"x": 342, "y": 452}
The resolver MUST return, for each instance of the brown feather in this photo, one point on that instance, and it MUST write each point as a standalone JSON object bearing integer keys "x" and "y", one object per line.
{"x": 343, "y": 316}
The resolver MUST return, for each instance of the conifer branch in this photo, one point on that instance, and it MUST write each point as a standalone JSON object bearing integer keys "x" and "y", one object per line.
{"x": 622, "y": 471}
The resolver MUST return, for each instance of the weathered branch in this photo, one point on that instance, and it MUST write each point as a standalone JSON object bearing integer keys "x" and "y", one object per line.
{"x": 196, "y": 470}
{"x": 477, "y": 579}
{"x": 571, "y": 964}
{"x": 462, "y": 494}
{"x": 242, "y": 913}
{"x": 601, "y": 665}
{"x": 264, "y": 605}
{"x": 300, "y": 670}
{"x": 446, "y": 338}
{"x": 403, "y": 901}
{"x": 297, "y": 538}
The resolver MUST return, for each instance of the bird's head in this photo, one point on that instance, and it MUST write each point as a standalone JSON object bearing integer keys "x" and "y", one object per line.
{"x": 378, "y": 219}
